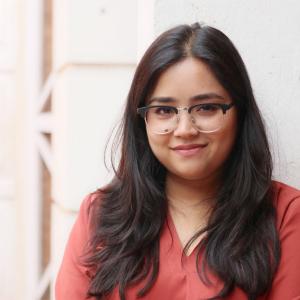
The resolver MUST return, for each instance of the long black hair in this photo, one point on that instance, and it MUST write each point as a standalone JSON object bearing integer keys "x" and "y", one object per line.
{"x": 241, "y": 245}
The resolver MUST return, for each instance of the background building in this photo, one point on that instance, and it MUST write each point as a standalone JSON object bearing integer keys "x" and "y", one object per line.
{"x": 65, "y": 70}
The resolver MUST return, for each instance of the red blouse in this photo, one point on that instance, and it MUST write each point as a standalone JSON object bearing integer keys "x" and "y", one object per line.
{"x": 177, "y": 278}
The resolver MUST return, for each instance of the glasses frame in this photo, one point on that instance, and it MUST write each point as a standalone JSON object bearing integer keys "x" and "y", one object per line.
{"x": 142, "y": 111}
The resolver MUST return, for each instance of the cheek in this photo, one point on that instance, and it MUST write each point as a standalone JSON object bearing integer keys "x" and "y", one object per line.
{"x": 223, "y": 142}
{"x": 158, "y": 144}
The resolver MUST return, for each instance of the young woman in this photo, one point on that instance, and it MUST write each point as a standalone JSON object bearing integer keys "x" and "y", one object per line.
{"x": 192, "y": 212}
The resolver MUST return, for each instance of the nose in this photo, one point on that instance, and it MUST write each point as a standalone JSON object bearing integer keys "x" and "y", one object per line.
{"x": 185, "y": 126}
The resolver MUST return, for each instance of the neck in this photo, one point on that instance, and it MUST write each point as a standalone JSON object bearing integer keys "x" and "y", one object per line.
{"x": 189, "y": 199}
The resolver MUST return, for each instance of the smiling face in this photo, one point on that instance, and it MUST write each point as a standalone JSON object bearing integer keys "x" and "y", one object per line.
{"x": 186, "y": 152}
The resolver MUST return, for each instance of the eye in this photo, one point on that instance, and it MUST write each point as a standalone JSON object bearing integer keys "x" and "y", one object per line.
{"x": 164, "y": 110}
{"x": 206, "y": 109}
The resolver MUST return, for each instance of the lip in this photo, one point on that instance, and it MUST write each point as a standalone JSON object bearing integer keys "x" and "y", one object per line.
{"x": 188, "y": 149}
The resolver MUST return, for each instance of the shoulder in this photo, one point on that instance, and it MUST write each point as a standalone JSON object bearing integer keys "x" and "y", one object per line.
{"x": 73, "y": 278}
{"x": 88, "y": 208}
{"x": 286, "y": 280}
{"x": 287, "y": 203}
{"x": 89, "y": 203}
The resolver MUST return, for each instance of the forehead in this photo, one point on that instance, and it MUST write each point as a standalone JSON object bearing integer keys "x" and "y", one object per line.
{"x": 186, "y": 79}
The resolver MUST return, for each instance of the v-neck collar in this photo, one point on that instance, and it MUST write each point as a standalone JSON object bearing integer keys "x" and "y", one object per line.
{"x": 176, "y": 239}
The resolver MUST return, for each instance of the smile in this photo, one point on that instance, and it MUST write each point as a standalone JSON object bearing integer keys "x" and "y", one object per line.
{"x": 188, "y": 150}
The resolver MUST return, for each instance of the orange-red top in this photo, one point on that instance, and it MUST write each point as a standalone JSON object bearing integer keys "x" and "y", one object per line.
{"x": 177, "y": 278}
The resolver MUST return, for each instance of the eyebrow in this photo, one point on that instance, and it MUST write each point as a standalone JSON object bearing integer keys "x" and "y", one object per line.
{"x": 200, "y": 97}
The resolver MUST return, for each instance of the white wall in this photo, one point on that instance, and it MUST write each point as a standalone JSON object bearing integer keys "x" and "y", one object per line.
{"x": 267, "y": 34}
{"x": 95, "y": 52}
{"x": 7, "y": 149}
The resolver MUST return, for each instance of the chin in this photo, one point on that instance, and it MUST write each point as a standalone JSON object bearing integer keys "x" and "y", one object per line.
{"x": 193, "y": 174}
{"x": 188, "y": 175}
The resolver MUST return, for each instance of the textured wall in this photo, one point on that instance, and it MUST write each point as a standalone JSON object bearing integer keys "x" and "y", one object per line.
{"x": 267, "y": 34}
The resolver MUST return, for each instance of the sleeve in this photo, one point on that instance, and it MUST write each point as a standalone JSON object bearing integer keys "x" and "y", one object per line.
{"x": 286, "y": 284}
{"x": 72, "y": 281}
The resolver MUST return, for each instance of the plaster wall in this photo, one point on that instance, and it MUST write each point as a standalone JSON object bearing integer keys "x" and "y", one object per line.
{"x": 267, "y": 35}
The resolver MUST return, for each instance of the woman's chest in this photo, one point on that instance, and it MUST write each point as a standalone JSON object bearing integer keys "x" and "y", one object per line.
{"x": 178, "y": 278}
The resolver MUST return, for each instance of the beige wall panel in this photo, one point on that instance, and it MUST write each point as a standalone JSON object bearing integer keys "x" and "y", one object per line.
{"x": 95, "y": 31}
{"x": 8, "y": 36}
{"x": 87, "y": 104}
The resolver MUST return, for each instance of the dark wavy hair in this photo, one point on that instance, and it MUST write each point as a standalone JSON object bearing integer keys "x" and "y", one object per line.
{"x": 241, "y": 244}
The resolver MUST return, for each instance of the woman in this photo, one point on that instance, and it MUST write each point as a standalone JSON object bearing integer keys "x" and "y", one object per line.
{"x": 192, "y": 212}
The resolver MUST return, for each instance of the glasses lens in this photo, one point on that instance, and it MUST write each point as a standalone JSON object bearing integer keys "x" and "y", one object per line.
{"x": 161, "y": 119}
{"x": 207, "y": 117}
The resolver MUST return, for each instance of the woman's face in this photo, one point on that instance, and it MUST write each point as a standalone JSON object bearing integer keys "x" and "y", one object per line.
{"x": 187, "y": 153}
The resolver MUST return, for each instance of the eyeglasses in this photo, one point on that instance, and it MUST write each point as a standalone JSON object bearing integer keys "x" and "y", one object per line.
{"x": 205, "y": 117}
